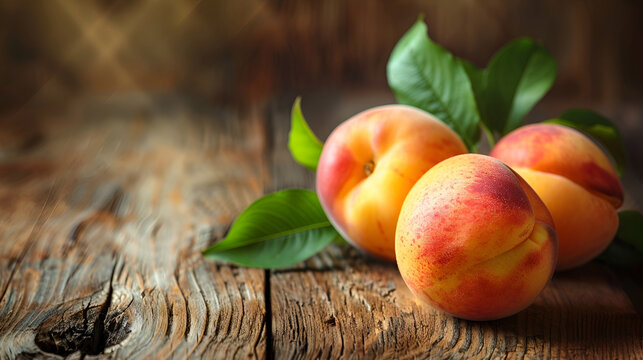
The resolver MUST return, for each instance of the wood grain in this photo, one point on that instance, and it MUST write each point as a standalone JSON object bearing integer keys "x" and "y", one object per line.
{"x": 106, "y": 218}
{"x": 108, "y": 204}
{"x": 341, "y": 304}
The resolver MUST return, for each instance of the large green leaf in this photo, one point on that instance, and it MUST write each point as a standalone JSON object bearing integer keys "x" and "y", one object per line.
{"x": 423, "y": 74}
{"x": 517, "y": 77}
{"x": 277, "y": 230}
{"x": 598, "y": 127}
{"x": 627, "y": 247}
{"x": 304, "y": 146}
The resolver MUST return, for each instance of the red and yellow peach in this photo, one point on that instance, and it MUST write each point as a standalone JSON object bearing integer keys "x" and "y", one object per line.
{"x": 575, "y": 180}
{"x": 474, "y": 240}
{"x": 368, "y": 165}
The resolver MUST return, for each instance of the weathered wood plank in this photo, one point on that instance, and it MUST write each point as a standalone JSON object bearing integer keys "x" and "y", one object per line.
{"x": 341, "y": 304}
{"x": 105, "y": 220}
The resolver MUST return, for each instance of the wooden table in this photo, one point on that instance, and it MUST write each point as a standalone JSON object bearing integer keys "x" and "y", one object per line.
{"x": 108, "y": 203}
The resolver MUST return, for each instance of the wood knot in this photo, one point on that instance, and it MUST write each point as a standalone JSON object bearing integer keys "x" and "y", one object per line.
{"x": 87, "y": 326}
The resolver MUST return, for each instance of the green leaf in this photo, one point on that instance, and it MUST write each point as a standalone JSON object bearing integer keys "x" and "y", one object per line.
{"x": 477, "y": 80}
{"x": 304, "y": 146}
{"x": 630, "y": 229}
{"x": 627, "y": 247}
{"x": 619, "y": 254}
{"x": 425, "y": 75}
{"x": 278, "y": 230}
{"x": 517, "y": 77}
{"x": 598, "y": 127}
{"x": 477, "y": 77}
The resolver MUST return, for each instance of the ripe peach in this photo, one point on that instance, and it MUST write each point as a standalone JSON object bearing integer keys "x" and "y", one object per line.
{"x": 368, "y": 165}
{"x": 574, "y": 179}
{"x": 474, "y": 240}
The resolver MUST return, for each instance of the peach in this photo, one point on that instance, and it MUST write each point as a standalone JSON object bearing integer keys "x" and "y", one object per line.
{"x": 575, "y": 180}
{"x": 368, "y": 165}
{"x": 474, "y": 240}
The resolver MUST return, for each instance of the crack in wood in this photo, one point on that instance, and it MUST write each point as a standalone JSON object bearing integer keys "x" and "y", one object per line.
{"x": 270, "y": 352}
{"x": 99, "y": 336}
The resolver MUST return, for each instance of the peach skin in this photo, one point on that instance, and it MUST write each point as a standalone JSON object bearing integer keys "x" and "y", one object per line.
{"x": 474, "y": 240}
{"x": 575, "y": 180}
{"x": 368, "y": 165}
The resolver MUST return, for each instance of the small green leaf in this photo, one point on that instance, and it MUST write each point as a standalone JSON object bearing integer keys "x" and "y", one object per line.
{"x": 517, "y": 77}
{"x": 477, "y": 80}
{"x": 423, "y": 74}
{"x": 278, "y": 230}
{"x": 621, "y": 255}
{"x": 627, "y": 247}
{"x": 477, "y": 77}
{"x": 598, "y": 127}
{"x": 630, "y": 229}
{"x": 304, "y": 146}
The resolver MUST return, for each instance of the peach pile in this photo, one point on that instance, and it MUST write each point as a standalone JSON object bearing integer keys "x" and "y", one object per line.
{"x": 368, "y": 165}
{"x": 474, "y": 240}
{"x": 476, "y": 236}
{"x": 575, "y": 180}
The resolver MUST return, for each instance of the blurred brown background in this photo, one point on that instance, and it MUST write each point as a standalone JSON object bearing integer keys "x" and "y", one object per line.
{"x": 241, "y": 52}
{"x": 246, "y": 50}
